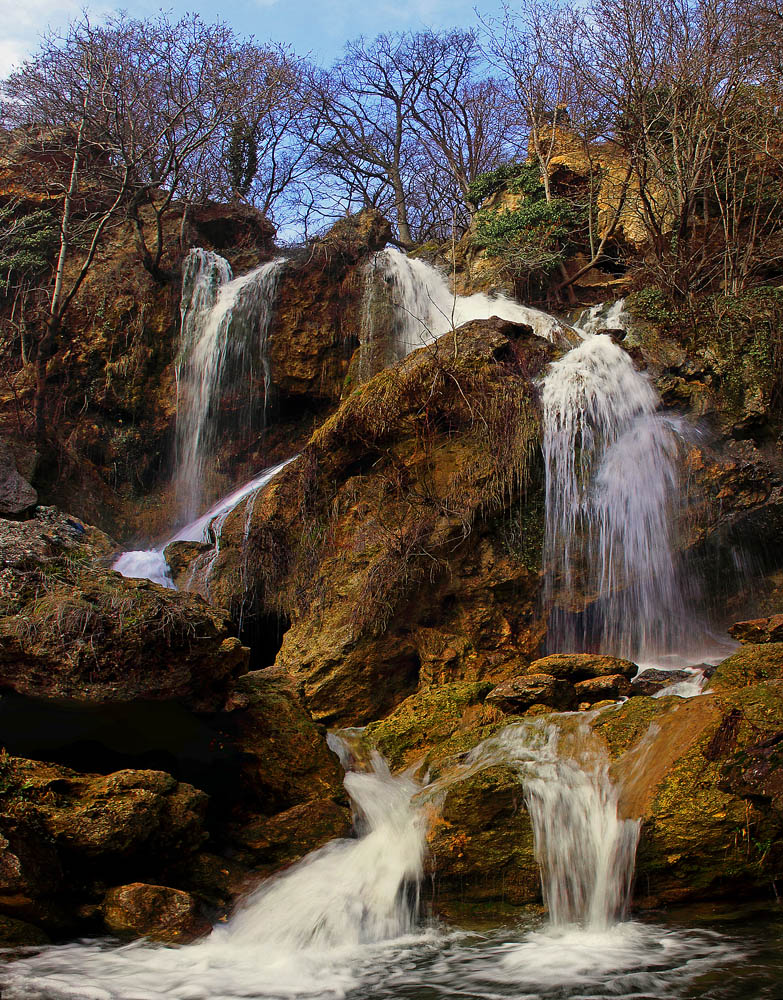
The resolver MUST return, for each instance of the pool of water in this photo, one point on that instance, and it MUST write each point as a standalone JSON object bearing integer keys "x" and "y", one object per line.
{"x": 710, "y": 953}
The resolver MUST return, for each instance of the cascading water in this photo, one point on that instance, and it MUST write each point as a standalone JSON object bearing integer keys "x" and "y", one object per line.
{"x": 613, "y": 496}
{"x": 585, "y": 851}
{"x": 222, "y": 364}
{"x": 306, "y": 932}
{"x": 150, "y": 564}
{"x": 408, "y": 304}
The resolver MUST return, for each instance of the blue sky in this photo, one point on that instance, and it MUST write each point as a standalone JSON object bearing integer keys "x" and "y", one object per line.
{"x": 318, "y": 28}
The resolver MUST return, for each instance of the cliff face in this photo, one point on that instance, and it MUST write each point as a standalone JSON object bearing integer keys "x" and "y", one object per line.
{"x": 111, "y": 394}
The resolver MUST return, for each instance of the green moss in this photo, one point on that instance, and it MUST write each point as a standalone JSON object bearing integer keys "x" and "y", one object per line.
{"x": 423, "y": 720}
{"x": 750, "y": 665}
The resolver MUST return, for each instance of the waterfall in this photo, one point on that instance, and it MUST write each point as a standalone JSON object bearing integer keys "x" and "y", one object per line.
{"x": 408, "y": 303}
{"x": 301, "y": 932}
{"x": 585, "y": 852}
{"x": 613, "y": 496}
{"x": 222, "y": 367}
{"x": 150, "y": 564}
{"x": 603, "y": 316}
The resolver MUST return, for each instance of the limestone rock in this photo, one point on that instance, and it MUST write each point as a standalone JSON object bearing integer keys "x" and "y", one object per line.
{"x": 433, "y": 717}
{"x": 481, "y": 843}
{"x": 285, "y": 759}
{"x": 156, "y": 912}
{"x": 72, "y": 629}
{"x": 419, "y": 573}
{"x": 269, "y": 843}
{"x": 518, "y": 693}
{"x": 581, "y": 666}
{"x": 63, "y": 833}
{"x": 750, "y": 665}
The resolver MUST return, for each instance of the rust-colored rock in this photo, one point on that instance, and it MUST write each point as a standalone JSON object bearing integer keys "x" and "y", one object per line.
{"x": 760, "y": 630}
{"x": 156, "y": 912}
{"x": 606, "y": 687}
{"x": 423, "y": 567}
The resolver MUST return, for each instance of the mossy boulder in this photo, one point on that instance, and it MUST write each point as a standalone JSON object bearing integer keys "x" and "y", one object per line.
{"x": 427, "y": 719}
{"x": 750, "y": 665}
{"x": 285, "y": 760}
{"x": 73, "y": 629}
{"x": 481, "y": 843}
{"x": 64, "y": 834}
{"x": 403, "y": 546}
{"x": 702, "y": 835}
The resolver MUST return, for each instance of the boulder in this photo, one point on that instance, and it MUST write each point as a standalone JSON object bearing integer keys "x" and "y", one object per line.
{"x": 433, "y": 717}
{"x": 64, "y": 834}
{"x": 284, "y": 757}
{"x": 610, "y": 687}
{"x": 481, "y": 843}
{"x": 156, "y": 912}
{"x": 72, "y": 629}
{"x": 750, "y": 665}
{"x": 270, "y": 843}
{"x": 424, "y": 566}
{"x": 651, "y": 681}
{"x": 582, "y": 666}
{"x": 517, "y": 694}
{"x": 760, "y": 630}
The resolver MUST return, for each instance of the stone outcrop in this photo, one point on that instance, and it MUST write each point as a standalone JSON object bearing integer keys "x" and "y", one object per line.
{"x": 16, "y": 494}
{"x": 403, "y": 545}
{"x": 72, "y": 629}
{"x": 759, "y": 630}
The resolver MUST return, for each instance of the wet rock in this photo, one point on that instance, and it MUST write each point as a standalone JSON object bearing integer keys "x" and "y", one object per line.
{"x": 269, "y": 843}
{"x": 64, "y": 834}
{"x": 651, "y": 681}
{"x": 700, "y": 836}
{"x": 760, "y": 630}
{"x": 608, "y": 686}
{"x": 115, "y": 816}
{"x": 518, "y": 693}
{"x": 581, "y": 666}
{"x": 156, "y": 912}
{"x": 757, "y": 772}
{"x": 181, "y": 558}
{"x": 16, "y": 494}
{"x": 481, "y": 843}
{"x": 17, "y": 933}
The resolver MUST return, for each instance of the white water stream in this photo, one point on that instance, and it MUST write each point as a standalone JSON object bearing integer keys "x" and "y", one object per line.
{"x": 150, "y": 564}
{"x": 409, "y": 303}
